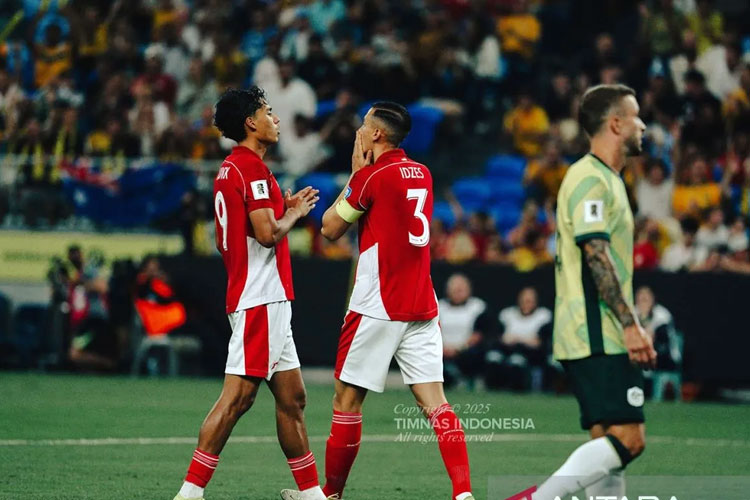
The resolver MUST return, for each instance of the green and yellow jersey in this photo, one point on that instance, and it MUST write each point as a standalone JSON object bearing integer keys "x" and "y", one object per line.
{"x": 592, "y": 203}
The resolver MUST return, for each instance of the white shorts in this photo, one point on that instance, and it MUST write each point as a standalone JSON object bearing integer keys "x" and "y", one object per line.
{"x": 367, "y": 345}
{"x": 262, "y": 342}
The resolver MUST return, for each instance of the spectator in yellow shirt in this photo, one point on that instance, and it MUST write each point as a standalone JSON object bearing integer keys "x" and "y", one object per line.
{"x": 698, "y": 193}
{"x": 545, "y": 174}
{"x": 165, "y": 13}
{"x": 519, "y": 32}
{"x": 737, "y": 103}
{"x": 533, "y": 254}
{"x": 528, "y": 124}
{"x": 707, "y": 24}
{"x": 53, "y": 57}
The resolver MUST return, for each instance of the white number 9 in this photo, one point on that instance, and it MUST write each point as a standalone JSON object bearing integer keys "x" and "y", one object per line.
{"x": 220, "y": 206}
{"x": 421, "y": 196}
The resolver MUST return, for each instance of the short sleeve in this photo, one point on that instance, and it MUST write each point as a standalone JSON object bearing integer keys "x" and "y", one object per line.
{"x": 358, "y": 196}
{"x": 589, "y": 209}
{"x": 257, "y": 187}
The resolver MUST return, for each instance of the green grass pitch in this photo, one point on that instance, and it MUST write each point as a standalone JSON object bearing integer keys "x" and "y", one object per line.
{"x": 38, "y": 412}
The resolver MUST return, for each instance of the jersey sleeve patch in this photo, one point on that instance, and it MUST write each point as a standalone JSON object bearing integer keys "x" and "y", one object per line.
{"x": 347, "y": 212}
{"x": 590, "y": 206}
{"x": 593, "y": 211}
{"x": 260, "y": 190}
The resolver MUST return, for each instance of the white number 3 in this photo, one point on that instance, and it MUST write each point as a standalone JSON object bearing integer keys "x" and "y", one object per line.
{"x": 421, "y": 196}
{"x": 220, "y": 206}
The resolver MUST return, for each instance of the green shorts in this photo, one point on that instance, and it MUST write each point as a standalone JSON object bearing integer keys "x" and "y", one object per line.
{"x": 609, "y": 389}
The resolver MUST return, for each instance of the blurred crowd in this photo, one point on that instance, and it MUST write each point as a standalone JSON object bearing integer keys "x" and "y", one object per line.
{"x": 509, "y": 346}
{"x": 125, "y": 79}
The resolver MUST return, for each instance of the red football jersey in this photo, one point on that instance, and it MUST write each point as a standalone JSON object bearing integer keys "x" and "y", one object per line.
{"x": 256, "y": 275}
{"x": 393, "y": 273}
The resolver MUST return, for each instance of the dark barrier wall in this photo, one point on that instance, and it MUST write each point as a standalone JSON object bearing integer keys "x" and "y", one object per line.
{"x": 711, "y": 309}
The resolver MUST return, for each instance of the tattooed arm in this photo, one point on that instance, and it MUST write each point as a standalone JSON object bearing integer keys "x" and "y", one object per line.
{"x": 596, "y": 252}
{"x": 637, "y": 341}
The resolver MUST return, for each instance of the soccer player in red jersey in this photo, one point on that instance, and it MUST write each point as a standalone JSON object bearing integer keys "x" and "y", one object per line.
{"x": 393, "y": 310}
{"x": 252, "y": 221}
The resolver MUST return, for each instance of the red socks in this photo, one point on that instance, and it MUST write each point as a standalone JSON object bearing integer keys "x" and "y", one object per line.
{"x": 452, "y": 444}
{"x": 341, "y": 450}
{"x": 201, "y": 468}
{"x": 304, "y": 471}
{"x": 204, "y": 464}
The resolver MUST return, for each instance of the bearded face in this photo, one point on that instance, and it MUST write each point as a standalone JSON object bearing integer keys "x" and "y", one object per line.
{"x": 634, "y": 143}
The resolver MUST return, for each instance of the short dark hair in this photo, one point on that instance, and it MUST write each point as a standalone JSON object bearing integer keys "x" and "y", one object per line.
{"x": 597, "y": 102}
{"x": 234, "y": 106}
{"x": 396, "y": 119}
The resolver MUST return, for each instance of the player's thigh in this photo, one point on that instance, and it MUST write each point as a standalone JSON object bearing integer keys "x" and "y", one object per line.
{"x": 282, "y": 350}
{"x": 609, "y": 390}
{"x": 366, "y": 347}
{"x": 420, "y": 353}
{"x": 248, "y": 353}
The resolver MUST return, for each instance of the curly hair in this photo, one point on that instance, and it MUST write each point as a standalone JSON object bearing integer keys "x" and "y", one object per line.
{"x": 234, "y": 106}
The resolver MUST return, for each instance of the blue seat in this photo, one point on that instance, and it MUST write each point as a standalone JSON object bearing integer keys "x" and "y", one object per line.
{"x": 473, "y": 193}
{"x": 503, "y": 191}
{"x": 506, "y": 167}
{"x": 326, "y": 184}
{"x": 424, "y": 123}
{"x": 506, "y": 216}
{"x": 325, "y": 108}
{"x": 442, "y": 211}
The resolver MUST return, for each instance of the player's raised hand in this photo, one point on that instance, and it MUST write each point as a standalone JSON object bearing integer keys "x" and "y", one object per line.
{"x": 303, "y": 200}
{"x": 640, "y": 346}
{"x": 360, "y": 157}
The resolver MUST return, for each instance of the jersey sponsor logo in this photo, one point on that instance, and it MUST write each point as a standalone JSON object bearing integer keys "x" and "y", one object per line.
{"x": 411, "y": 173}
{"x": 348, "y": 192}
{"x": 593, "y": 211}
{"x": 260, "y": 190}
{"x": 223, "y": 173}
{"x": 635, "y": 397}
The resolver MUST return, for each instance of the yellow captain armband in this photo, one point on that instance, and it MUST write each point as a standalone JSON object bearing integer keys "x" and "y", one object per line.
{"x": 348, "y": 213}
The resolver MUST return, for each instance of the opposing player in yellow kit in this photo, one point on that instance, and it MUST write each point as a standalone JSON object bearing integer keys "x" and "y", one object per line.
{"x": 597, "y": 336}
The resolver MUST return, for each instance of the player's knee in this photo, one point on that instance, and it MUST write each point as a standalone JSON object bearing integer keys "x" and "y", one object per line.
{"x": 629, "y": 444}
{"x": 635, "y": 440}
{"x": 240, "y": 403}
{"x": 294, "y": 405}
{"x": 345, "y": 402}
{"x": 636, "y": 444}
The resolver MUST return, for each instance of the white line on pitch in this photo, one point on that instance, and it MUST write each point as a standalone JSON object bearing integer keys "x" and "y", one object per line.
{"x": 373, "y": 438}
